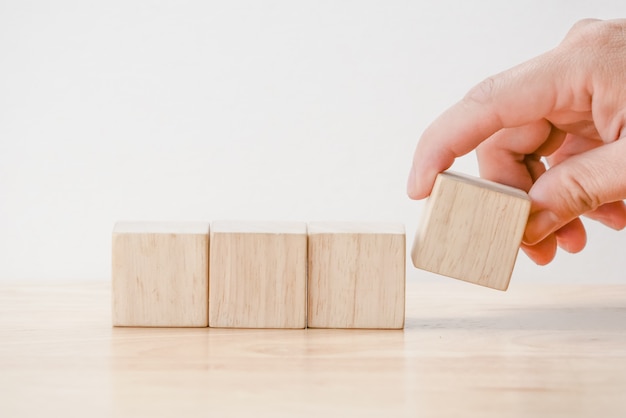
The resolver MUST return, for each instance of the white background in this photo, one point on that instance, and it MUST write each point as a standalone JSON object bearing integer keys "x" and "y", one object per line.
{"x": 285, "y": 110}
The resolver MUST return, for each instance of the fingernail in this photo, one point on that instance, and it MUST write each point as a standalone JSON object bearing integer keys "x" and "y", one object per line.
{"x": 616, "y": 223}
{"x": 540, "y": 225}
{"x": 612, "y": 221}
{"x": 410, "y": 187}
{"x": 567, "y": 247}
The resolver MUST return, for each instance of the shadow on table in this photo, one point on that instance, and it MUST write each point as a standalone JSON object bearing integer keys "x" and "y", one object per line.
{"x": 568, "y": 318}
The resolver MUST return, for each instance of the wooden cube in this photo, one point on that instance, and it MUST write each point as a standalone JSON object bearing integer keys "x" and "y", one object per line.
{"x": 258, "y": 275}
{"x": 160, "y": 274}
{"x": 356, "y": 275}
{"x": 471, "y": 230}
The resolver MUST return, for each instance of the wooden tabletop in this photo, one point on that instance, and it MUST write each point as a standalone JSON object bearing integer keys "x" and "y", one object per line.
{"x": 467, "y": 351}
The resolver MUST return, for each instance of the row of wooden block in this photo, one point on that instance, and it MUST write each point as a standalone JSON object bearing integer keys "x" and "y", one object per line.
{"x": 290, "y": 275}
{"x": 259, "y": 275}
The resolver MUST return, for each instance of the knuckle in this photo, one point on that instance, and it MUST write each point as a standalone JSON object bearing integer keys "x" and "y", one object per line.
{"x": 483, "y": 92}
{"x": 579, "y": 197}
{"x": 582, "y": 24}
{"x": 594, "y": 32}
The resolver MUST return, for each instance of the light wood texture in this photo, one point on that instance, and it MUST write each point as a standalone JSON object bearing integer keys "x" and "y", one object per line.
{"x": 160, "y": 274}
{"x": 466, "y": 351}
{"x": 471, "y": 230}
{"x": 356, "y": 275}
{"x": 258, "y": 275}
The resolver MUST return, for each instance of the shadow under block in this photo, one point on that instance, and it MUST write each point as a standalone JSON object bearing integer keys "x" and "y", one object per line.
{"x": 356, "y": 275}
{"x": 160, "y": 274}
{"x": 471, "y": 230}
{"x": 258, "y": 275}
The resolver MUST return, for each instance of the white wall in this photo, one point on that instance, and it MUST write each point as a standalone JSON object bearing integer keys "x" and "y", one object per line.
{"x": 289, "y": 110}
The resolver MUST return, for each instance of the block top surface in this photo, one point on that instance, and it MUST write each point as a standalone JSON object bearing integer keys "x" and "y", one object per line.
{"x": 356, "y": 228}
{"x": 261, "y": 227}
{"x": 126, "y": 227}
{"x": 484, "y": 184}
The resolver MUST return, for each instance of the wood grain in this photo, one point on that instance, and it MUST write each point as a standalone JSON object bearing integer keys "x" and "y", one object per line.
{"x": 471, "y": 230}
{"x": 258, "y": 275}
{"x": 160, "y": 274}
{"x": 356, "y": 275}
{"x": 466, "y": 351}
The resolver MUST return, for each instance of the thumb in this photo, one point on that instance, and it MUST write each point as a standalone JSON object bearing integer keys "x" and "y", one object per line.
{"x": 577, "y": 186}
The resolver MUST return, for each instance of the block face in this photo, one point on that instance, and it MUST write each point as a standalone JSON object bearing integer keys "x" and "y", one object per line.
{"x": 356, "y": 276}
{"x": 258, "y": 275}
{"x": 160, "y": 274}
{"x": 471, "y": 230}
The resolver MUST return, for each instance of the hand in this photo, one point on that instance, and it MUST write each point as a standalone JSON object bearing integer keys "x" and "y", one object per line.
{"x": 566, "y": 107}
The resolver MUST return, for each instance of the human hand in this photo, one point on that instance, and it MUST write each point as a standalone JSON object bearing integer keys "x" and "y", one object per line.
{"x": 567, "y": 105}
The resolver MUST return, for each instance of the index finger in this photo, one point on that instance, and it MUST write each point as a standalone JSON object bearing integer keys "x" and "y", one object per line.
{"x": 518, "y": 96}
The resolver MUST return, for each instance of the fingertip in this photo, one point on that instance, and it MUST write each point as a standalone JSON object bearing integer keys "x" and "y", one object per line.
{"x": 543, "y": 252}
{"x": 572, "y": 237}
{"x": 619, "y": 226}
{"x": 619, "y": 217}
{"x": 420, "y": 182}
{"x": 540, "y": 225}
{"x": 411, "y": 186}
{"x": 611, "y": 214}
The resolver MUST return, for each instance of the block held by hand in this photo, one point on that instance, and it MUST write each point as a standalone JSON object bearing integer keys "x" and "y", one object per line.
{"x": 471, "y": 230}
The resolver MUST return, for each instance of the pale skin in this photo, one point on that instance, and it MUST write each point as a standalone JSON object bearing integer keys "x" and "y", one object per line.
{"x": 554, "y": 126}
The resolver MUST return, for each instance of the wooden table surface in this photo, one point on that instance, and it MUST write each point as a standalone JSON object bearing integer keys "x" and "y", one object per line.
{"x": 534, "y": 351}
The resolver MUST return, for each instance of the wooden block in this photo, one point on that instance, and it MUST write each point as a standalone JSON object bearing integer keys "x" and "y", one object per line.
{"x": 160, "y": 275}
{"x": 356, "y": 275}
{"x": 258, "y": 275}
{"x": 471, "y": 230}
